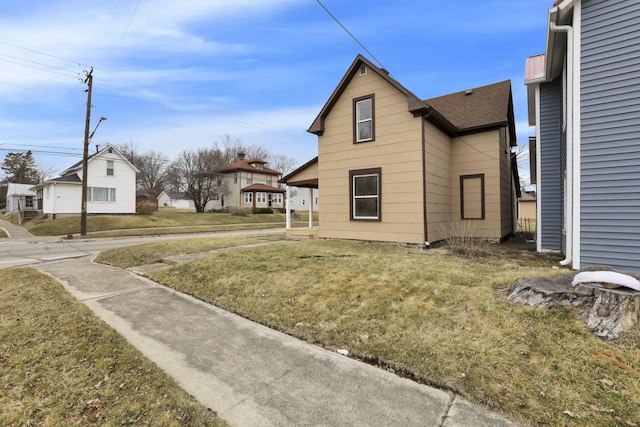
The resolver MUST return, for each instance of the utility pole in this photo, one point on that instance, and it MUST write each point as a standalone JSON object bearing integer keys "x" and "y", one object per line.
{"x": 85, "y": 156}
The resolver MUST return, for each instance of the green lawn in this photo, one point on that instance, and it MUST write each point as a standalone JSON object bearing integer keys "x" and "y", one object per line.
{"x": 61, "y": 366}
{"x": 166, "y": 220}
{"x": 437, "y": 318}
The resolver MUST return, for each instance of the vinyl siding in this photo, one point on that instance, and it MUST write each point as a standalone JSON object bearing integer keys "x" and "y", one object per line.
{"x": 438, "y": 182}
{"x": 478, "y": 154}
{"x": 396, "y": 149}
{"x": 551, "y": 169}
{"x": 610, "y": 134}
{"x": 123, "y": 180}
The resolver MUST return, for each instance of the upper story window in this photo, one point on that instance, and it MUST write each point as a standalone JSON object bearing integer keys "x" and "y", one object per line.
{"x": 363, "y": 119}
{"x": 235, "y": 177}
{"x": 269, "y": 180}
{"x": 109, "y": 167}
{"x": 249, "y": 177}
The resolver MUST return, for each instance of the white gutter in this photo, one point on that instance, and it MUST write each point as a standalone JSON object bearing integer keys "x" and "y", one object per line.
{"x": 569, "y": 137}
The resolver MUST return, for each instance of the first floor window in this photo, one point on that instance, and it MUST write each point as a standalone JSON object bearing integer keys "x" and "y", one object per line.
{"x": 101, "y": 194}
{"x": 277, "y": 198}
{"x": 365, "y": 194}
{"x": 261, "y": 197}
{"x": 248, "y": 198}
{"x": 472, "y": 196}
{"x": 28, "y": 202}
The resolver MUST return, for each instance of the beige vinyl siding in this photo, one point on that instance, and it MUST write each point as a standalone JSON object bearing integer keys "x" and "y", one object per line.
{"x": 479, "y": 154}
{"x": 308, "y": 173}
{"x": 507, "y": 196}
{"x": 527, "y": 209}
{"x": 396, "y": 150}
{"x": 438, "y": 182}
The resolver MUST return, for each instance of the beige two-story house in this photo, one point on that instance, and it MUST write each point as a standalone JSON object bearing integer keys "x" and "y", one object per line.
{"x": 249, "y": 183}
{"x": 394, "y": 167}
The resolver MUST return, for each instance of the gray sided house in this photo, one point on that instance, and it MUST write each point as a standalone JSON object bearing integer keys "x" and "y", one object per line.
{"x": 584, "y": 99}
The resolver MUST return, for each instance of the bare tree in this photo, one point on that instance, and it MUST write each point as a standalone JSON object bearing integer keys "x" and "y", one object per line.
{"x": 232, "y": 147}
{"x": 153, "y": 167}
{"x": 281, "y": 163}
{"x": 192, "y": 173}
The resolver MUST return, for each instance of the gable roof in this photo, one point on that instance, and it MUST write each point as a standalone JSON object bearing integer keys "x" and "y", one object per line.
{"x": 246, "y": 165}
{"x": 78, "y": 165}
{"x": 479, "y": 108}
{"x": 414, "y": 105}
{"x": 455, "y": 114}
{"x": 16, "y": 189}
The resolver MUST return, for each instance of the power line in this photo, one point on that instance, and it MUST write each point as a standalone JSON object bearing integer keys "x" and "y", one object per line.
{"x": 43, "y": 92}
{"x": 45, "y": 54}
{"x": 37, "y": 68}
{"x": 129, "y": 23}
{"x": 349, "y": 32}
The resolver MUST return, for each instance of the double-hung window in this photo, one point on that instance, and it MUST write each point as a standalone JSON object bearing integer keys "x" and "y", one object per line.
{"x": 249, "y": 178}
{"x": 110, "y": 169}
{"x": 365, "y": 186}
{"x": 363, "y": 119}
{"x": 261, "y": 197}
{"x": 101, "y": 194}
{"x": 248, "y": 198}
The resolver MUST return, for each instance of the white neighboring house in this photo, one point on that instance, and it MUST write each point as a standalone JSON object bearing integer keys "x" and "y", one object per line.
{"x": 111, "y": 187}
{"x": 175, "y": 200}
{"x": 299, "y": 199}
{"x": 20, "y": 197}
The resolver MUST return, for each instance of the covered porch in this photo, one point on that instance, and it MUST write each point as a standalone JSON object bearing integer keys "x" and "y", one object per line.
{"x": 305, "y": 177}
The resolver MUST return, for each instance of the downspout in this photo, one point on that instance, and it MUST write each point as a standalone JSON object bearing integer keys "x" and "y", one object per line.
{"x": 569, "y": 140}
{"x": 427, "y": 243}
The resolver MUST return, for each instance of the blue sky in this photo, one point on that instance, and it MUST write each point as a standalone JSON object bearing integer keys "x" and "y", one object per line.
{"x": 172, "y": 75}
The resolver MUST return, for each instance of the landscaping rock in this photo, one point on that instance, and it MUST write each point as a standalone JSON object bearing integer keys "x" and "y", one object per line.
{"x": 610, "y": 311}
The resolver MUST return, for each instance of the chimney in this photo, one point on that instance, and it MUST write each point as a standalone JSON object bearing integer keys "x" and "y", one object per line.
{"x": 241, "y": 155}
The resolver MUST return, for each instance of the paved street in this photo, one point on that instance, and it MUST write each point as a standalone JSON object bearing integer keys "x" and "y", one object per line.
{"x": 34, "y": 250}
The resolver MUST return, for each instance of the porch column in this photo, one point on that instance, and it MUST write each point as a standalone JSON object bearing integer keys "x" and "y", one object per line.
{"x": 288, "y": 211}
{"x": 310, "y": 207}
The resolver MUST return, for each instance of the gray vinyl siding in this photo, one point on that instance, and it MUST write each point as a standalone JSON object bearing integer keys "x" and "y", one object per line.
{"x": 610, "y": 133}
{"x": 551, "y": 165}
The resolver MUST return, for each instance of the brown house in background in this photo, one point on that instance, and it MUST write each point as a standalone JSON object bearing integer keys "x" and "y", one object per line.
{"x": 393, "y": 167}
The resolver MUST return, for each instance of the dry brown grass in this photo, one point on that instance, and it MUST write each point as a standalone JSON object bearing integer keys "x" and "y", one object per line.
{"x": 61, "y": 366}
{"x": 438, "y": 318}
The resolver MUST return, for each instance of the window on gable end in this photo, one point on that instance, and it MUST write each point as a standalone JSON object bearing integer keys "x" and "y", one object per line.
{"x": 364, "y": 119}
{"x": 110, "y": 168}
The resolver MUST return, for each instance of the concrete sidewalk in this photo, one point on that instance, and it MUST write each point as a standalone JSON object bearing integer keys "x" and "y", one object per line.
{"x": 249, "y": 374}
{"x": 14, "y": 231}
